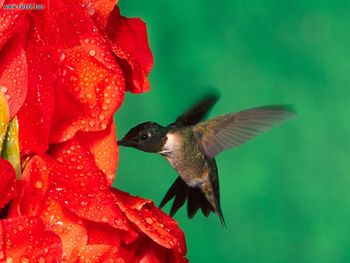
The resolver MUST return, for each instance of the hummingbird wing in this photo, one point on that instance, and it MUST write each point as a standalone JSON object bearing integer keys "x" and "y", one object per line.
{"x": 214, "y": 181}
{"x": 180, "y": 191}
{"x": 197, "y": 112}
{"x": 233, "y": 129}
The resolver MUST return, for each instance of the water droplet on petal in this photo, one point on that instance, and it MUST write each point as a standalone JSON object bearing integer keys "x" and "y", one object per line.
{"x": 149, "y": 220}
{"x": 73, "y": 78}
{"x": 3, "y": 89}
{"x": 62, "y": 56}
{"x": 25, "y": 259}
{"x": 91, "y": 11}
{"x": 39, "y": 184}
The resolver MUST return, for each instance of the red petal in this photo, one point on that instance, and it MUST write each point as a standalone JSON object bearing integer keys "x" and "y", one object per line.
{"x": 70, "y": 228}
{"x": 145, "y": 250}
{"x": 36, "y": 114}
{"x": 13, "y": 73}
{"x": 161, "y": 228}
{"x": 104, "y": 234}
{"x": 35, "y": 185}
{"x": 90, "y": 91}
{"x": 90, "y": 85}
{"x": 7, "y": 183}
{"x": 83, "y": 188}
{"x": 26, "y": 239}
{"x": 99, "y": 10}
{"x": 103, "y": 145}
{"x": 130, "y": 44}
{"x": 37, "y": 179}
{"x": 84, "y": 191}
{"x": 100, "y": 254}
{"x": 64, "y": 23}
{"x": 75, "y": 83}
{"x": 11, "y": 20}
{"x": 2, "y": 252}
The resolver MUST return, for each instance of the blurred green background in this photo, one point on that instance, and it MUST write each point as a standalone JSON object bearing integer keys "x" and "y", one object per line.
{"x": 285, "y": 195}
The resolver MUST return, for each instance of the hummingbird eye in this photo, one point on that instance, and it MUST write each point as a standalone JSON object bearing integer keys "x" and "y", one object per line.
{"x": 145, "y": 136}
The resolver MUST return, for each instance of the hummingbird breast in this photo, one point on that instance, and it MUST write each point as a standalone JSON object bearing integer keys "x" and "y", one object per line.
{"x": 185, "y": 157}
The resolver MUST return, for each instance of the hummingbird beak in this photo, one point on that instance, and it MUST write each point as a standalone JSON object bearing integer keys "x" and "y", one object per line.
{"x": 122, "y": 142}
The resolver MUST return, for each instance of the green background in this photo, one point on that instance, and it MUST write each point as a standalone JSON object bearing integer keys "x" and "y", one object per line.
{"x": 286, "y": 194}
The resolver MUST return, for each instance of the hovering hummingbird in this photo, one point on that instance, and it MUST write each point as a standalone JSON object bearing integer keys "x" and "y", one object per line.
{"x": 190, "y": 145}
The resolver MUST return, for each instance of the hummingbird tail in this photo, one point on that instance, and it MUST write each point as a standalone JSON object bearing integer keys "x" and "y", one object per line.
{"x": 181, "y": 191}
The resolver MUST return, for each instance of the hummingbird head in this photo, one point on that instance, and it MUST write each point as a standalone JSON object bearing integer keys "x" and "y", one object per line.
{"x": 147, "y": 137}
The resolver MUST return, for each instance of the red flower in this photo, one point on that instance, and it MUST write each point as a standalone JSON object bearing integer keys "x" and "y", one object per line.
{"x": 73, "y": 198}
{"x": 25, "y": 239}
{"x": 7, "y": 183}
{"x": 63, "y": 74}
{"x": 69, "y": 68}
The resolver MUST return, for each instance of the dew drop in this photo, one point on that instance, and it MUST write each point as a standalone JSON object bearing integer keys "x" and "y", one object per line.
{"x": 149, "y": 220}
{"x": 171, "y": 243}
{"x": 25, "y": 259}
{"x": 3, "y": 89}
{"x": 39, "y": 184}
{"x": 73, "y": 78}
{"x": 90, "y": 11}
{"x": 62, "y": 56}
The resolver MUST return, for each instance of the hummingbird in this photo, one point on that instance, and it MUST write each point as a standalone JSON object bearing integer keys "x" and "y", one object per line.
{"x": 190, "y": 145}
